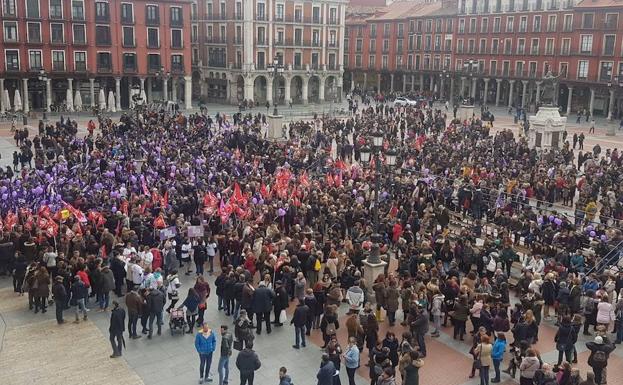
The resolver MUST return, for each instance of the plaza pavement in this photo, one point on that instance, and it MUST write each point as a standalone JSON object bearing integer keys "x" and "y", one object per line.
{"x": 33, "y": 349}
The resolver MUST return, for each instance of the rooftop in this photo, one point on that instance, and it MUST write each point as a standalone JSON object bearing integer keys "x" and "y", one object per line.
{"x": 599, "y": 4}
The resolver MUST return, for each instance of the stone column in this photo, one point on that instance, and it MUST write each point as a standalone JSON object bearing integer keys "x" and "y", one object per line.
{"x": 473, "y": 91}
{"x": 611, "y": 104}
{"x": 269, "y": 90}
{"x": 165, "y": 89}
{"x": 305, "y": 85}
{"x": 70, "y": 86}
{"x": 25, "y": 103}
{"x": 148, "y": 92}
{"x": 92, "y": 91}
{"x": 287, "y": 96}
{"x": 485, "y": 100}
{"x": 421, "y": 82}
{"x": 592, "y": 102}
{"x": 378, "y": 83}
{"x": 48, "y": 94}
{"x": 118, "y": 94}
{"x": 510, "y": 92}
{"x": 523, "y": 93}
{"x": 412, "y": 83}
{"x": 461, "y": 93}
{"x": 142, "y": 80}
{"x": 451, "y": 98}
{"x": 498, "y": 91}
{"x": 391, "y": 83}
{"x": 365, "y": 81}
{"x": 432, "y": 83}
{"x": 174, "y": 89}
{"x": 569, "y": 98}
{"x": 321, "y": 87}
{"x": 538, "y": 92}
{"x": 188, "y": 92}
{"x": 2, "y": 101}
{"x": 404, "y": 83}
{"x": 441, "y": 87}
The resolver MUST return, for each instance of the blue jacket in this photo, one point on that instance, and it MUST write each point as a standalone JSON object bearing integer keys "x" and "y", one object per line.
{"x": 326, "y": 373}
{"x": 205, "y": 345}
{"x": 499, "y": 347}
{"x": 351, "y": 357}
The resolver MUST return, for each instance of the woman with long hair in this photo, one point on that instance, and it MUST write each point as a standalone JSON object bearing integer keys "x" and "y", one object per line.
{"x": 191, "y": 302}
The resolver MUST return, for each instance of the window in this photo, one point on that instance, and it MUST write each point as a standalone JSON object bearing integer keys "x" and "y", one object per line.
{"x": 386, "y": 45}
{"x": 261, "y": 11}
{"x": 176, "y": 38}
{"x": 102, "y": 13}
{"x": 532, "y": 69}
{"x": 471, "y": 46}
{"x": 472, "y": 25}
{"x": 461, "y": 25}
{"x": 429, "y": 25}
{"x": 129, "y": 62}
{"x": 495, "y": 44}
{"x": 523, "y": 24}
{"x": 459, "y": 46}
{"x": 372, "y": 47}
{"x": 32, "y": 9}
{"x": 536, "y": 24}
{"x": 496, "y": 25}
{"x": 612, "y": 20}
{"x": 34, "y": 32}
{"x": 493, "y": 67}
{"x": 549, "y": 46}
{"x": 519, "y": 69}
{"x": 385, "y": 61}
{"x": 484, "y": 25}
{"x": 57, "y": 33}
{"x": 401, "y": 30}
{"x": 568, "y": 23}
{"x": 582, "y": 69}
{"x": 9, "y": 8}
{"x": 586, "y": 43}
{"x": 534, "y": 47}
{"x": 80, "y": 35}
{"x": 605, "y": 71}
{"x": 418, "y": 42}
{"x": 153, "y": 38}
{"x": 298, "y": 39}
{"x": 279, "y": 11}
{"x": 152, "y": 14}
{"x": 56, "y": 9}
{"x": 386, "y": 29}
{"x": 35, "y": 61}
{"x": 127, "y": 13}
{"x": 128, "y": 36}
{"x": 482, "y": 49}
{"x": 104, "y": 62}
{"x": 10, "y": 32}
{"x": 176, "y": 16}
{"x": 58, "y": 60}
{"x": 316, "y": 15}
{"x": 510, "y": 21}
{"x": 333, "y": 38}
{"x": 332, "y": 15}
{"x": 357, "y": 60}
{"x": 565, "y": 48}
{"x": 77, "y": 10}
{"x": 80, "y": 61}
{"x": 521, "y": 46}
{"x": 11, "y": 60}
{"x": 564, "y": 70}
{"x": 551, "y": 23}
{"x": 508, "y": 46}
{"x": 177, "y": 63}
{"x": 298, "y": 15}
{"x": 102, "y": 35}
{"x": 609, "y": 41}
{"x": 588, "y": 20}
{"x": 153, "y": 61}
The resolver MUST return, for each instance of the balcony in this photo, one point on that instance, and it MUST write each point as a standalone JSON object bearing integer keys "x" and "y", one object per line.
{"x": 332, "y": 67}
{"x": 297, "y": 67}
{"x": 261, "y": 41}
{"x": 333, "y": 20}
{"x": 279, "y": 18}
{"x": 104, "y": 68}
{"x": 315, "y": 43}
{"x": 238, "y": 16}
{"x": 152, "y": 45}
{"x": 260, "y": 66}
{"x": 260, "y": 17}
{"x": 333, "y": 44}
{"x": 567, "y": 28}
{"x": 177, "y": 23}
{"x": 129, "y": 69}
{"x": 297, "y": 19}
{"x": 316, "y": 20}
{"x": 177, "y": 68}
{"x": 611, "y": 25}
{"x": 214, "y": 63}
{"x": 127, "y": 20}
{"x": 152, "y": 22}
{"x": 279, "y": 43}
{"x": 236, "y": 66}
{"x": 216, "y": 40}
{"x": 101, "y": 18}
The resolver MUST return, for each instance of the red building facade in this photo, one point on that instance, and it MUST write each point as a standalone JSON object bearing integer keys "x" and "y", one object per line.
{"x": 500, "y": 50}
{"x": 51, "y": 46}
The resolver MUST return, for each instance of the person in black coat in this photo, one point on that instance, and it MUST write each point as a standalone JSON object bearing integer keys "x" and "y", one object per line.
{"x": 326, "y": 372}
{"x": 247, "y": 363}
{"x": 299, "y": 320}
{"x": 118, "y": 271}
{"x": 116, "y": 329}
{"x": 262, "y": 304}
{"x": 549, "y": 294}
{"x": 59, "y": 294}
{"x": 155, "y": 306}
{"x": 565, "y": 339}
{"x": 281, "y": 301}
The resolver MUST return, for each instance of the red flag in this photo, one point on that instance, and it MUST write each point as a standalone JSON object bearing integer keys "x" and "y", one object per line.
{"x": 143, "y": 207}
{"x": 44, "y": 211}
{"x": 79, "y": 215}
{"x": 304, "y": 180}
{"x": 340, "y": 164}
{"x": 164, "y": 201}
{"x": 330, "y": 180}
{"x": 338, "y": 179}
{"x": 145, "y": 188}
{"x": 118, "y": 229}
{"x": 124, "y": 206}
{"x": 264, "y": 191}
{"x": 224, "y": 211}
{"x": 11, "y": 220}
{"x": 238, "y": 197}
{"x": 159, "y": 222}
{"x": 209, "y": 200}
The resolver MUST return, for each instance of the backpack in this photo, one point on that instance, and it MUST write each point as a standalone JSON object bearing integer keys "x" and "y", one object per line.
{"x": 330, "y": 329}
{"x": 600, "y": 357}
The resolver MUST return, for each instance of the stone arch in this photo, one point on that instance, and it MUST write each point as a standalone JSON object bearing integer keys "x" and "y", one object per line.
{"x": 279, "y": 89}
{"x": 259, "y": 89}
{"x": 296, "y": 89}
{"x": 331, "y": 92}
{"x": 239, "y": 88}
{"x": 196, "y": 84}
{"x": 313, "y": 89}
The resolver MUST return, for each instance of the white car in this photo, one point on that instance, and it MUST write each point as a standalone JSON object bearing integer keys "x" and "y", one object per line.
{"x": 402, "y": 101}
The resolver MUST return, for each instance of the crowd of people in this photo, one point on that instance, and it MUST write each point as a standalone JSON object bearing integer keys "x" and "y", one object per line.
{"x": 130, "y": 208}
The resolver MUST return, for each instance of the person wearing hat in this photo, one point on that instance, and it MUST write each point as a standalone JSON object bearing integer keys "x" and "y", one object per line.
{"x": 598, "y": 359}
{"x": 116, "y": 329}
{"x": 59, "y": 294}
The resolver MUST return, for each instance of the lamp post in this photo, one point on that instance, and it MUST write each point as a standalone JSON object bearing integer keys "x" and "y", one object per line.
{"x": 163, "y": 75}
{"x": 137, "y": 99}
{"x": 275, "y": 69}
{"x": 43, "y": 77}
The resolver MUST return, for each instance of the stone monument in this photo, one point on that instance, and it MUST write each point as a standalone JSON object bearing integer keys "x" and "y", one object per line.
{"x": 275, "y": 127}
{"x": 547, "y": 126}
{"x": 465, "y": 111}
{"x": 373, "y": 265}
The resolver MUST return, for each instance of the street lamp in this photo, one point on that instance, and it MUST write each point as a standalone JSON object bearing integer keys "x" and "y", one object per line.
{"x": 275, "y": 69}
{"x": 390, "y": 158}
{"x": 43, "y": 77}
{"x": 163, "y": 75}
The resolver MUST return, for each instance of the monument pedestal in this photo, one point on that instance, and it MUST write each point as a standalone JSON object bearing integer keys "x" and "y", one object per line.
{"x": 371, "y": 271}
{"x": 611, "y": 128}
{"x": 465, "y": 112}
{"x": 546, "y": 128}
{"x": 275, "y": 125}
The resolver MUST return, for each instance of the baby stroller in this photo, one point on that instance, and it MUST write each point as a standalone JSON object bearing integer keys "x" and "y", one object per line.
{"x": 177, "y": 321}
